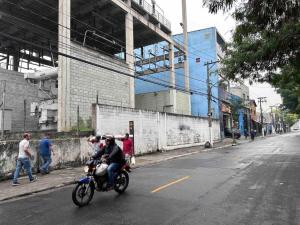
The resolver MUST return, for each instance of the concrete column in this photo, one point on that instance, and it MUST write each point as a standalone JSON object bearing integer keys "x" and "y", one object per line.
{"x": 130, "y": 53}
{"x": 64, "y": 111}
{"x": 16, "y": 62}
{"x": 173, "y": 98}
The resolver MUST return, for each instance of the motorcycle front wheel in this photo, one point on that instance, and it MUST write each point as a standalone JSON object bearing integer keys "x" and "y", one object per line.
{"x": 82, "y": 194}
{"x": 122, "y": 181}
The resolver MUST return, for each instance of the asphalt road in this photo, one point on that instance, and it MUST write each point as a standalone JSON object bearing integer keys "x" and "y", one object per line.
{"x": 254, "y": 183}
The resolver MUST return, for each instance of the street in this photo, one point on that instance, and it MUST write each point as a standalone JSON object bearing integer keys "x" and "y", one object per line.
{"x": 254, "y": 183}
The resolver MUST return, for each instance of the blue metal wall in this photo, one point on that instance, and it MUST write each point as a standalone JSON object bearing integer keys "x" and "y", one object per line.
{"x": 202, "y": 45}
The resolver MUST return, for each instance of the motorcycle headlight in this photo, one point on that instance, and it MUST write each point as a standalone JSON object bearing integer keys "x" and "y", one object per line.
{"x": 86, "y": 169}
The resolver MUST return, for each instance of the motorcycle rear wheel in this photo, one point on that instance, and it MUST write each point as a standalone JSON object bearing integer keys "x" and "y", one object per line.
{"x": 122, "y": 181}
{"x": 82, "y": 194}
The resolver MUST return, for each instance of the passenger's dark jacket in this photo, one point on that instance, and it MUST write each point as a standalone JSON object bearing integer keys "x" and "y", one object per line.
{"x": 114, "y": 152}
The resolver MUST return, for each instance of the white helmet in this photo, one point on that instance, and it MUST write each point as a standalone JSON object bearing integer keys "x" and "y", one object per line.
{"x": 101, "y": 169}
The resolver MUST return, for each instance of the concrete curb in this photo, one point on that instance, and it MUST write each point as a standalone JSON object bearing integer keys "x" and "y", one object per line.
{"x": 135, "y": 167}
{"x": 37, "y": 191}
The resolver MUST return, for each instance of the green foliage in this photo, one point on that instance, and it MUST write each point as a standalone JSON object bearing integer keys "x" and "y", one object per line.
{"x": 287, "y": 83}
{"x": 291, "y": 119}
{"x": 266, "y": 44}
{"x": 83, "y": 125}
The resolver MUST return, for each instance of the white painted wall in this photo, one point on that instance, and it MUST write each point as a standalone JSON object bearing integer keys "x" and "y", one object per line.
{"x": 155, "y": 130}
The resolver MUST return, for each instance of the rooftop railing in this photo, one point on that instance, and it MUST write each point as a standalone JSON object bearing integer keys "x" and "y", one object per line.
{"x": 154, "y": 11}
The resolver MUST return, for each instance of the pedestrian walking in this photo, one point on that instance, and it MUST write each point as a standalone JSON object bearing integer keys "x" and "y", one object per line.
{"x": 246, "y": 133}
{"x": 23, "y": 160}
{"x": 46, "y": 148}
{"x": 252, "y": 133}
{"x": 128, "y": 149}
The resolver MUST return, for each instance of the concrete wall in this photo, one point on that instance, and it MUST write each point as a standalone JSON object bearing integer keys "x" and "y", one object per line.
{"x": 18, "y": 90}
{"x": 161, "y": 101}
{"x": 156, "y": 101}
{"x": 182, "y": 103}
{"x": 87, "y": 80}
{"x": 68, "y": 152}
{"x": 154, "y": 130}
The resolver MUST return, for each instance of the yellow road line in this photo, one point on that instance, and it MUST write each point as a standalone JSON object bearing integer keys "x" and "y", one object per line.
{"x": 169, "y": 184}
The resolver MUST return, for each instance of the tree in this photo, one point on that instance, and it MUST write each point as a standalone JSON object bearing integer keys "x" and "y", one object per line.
{"x": 291, "y": 119}
{"x": 287, "y": 83}
{"x": 265, "y": 45}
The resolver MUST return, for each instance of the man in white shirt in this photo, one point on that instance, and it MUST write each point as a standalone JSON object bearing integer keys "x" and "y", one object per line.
{"x": 24, "y": 157}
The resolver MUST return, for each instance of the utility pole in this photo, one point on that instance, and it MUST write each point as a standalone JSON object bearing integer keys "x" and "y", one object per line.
{"x": 186, "y": 49}
{"x": 273, "y": 118}
{"x": 209, "y": 113}
{"x": 261, "y": 100}
{"x": 209, "y": 95}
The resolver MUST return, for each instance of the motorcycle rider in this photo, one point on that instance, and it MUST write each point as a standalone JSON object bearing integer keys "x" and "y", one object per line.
{"x": 114, "y": 157}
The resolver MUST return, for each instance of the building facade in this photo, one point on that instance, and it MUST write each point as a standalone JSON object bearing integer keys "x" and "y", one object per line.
{"x": 204, "y": 46}
{"x": 93, "y": 54}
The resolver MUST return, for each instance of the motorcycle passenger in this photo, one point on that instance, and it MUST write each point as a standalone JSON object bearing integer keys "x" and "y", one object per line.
{"x": 114, "y": 157}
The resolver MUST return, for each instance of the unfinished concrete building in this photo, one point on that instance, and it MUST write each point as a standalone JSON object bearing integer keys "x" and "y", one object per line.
{"x": 90, "y": 47}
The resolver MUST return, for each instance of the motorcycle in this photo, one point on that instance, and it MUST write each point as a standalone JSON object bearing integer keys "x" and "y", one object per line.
{"x": 96, "y": 179}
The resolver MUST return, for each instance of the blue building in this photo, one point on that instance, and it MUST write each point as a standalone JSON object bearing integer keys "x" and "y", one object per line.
{"x": 203, "y": 46}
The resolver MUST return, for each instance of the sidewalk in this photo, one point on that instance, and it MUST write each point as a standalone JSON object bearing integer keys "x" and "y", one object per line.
{"x": 64, "y": 177}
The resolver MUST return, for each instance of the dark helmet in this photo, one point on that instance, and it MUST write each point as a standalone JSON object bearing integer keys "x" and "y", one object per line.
{"x": 98, "y": 138}
{"x": 110, "y": 139}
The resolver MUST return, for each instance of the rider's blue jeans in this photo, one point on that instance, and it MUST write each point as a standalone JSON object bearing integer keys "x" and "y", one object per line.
{"x": 111, "y": 170}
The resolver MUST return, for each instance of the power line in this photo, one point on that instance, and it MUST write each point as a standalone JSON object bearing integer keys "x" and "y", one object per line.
{"x": 111, "y": 46}
{"x": 105, "y": 67}
{"x": 194, "y": 91}
{"x": 198, "y": 50}
{"x": 69, "y": 47}
{"x": 191, "y": 77}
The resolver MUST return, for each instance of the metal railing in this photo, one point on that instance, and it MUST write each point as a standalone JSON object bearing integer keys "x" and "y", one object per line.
{"x": 158, "y": 14}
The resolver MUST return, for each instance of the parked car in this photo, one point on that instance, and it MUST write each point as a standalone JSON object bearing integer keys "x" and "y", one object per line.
{"x": 228, "y": 133}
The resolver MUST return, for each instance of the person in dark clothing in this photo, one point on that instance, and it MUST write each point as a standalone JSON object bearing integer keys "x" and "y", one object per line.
{"x": 114, "y": 157}
{"x": 252, "y": 133}
{"x": 46, "y": 148}
{"x": 246, "y": 133}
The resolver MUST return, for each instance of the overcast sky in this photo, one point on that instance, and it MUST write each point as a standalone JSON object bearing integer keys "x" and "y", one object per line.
{"x": 199, "y": 18}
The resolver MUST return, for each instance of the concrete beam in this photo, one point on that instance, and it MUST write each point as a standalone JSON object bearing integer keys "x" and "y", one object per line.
{"x": 147, "y": 23}
{"x": 160, "y": 70}
{"x": 157, "y": 59}
{"x": 31, "y": 28}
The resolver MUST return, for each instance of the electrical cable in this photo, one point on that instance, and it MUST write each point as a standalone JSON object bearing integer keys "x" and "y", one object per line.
{"x": 165, "y": 81}
{"x": 77, "y": 32}
{"x": 104, "y": 67}
{"x": 80, "y": 32}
